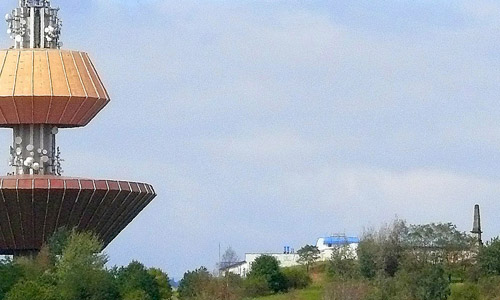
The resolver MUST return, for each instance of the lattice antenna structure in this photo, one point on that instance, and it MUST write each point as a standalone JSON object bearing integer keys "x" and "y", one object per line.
{"x": 34, "y": 24}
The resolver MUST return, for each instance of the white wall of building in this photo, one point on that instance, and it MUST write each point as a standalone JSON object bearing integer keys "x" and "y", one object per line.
{"x": 327, "y": 251}
{"x": 286, "y": 260}
{"x": 292, "y": 259}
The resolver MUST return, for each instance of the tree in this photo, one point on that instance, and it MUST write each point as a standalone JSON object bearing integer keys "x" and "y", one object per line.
{"x": 267, "y": 267}
{"x": 193, "y": 283}
{"x": 439, "y": 242}
{"x": 135, "y": 277}
{"x": 432, "y": 283}
{"x": 33, "y": 290}
{"x": 80, "y": 271}
{"x": 392, "y": 246}
{"x": 308, "y": 255}
{"x": 489, "y": 257}
{"x": 137, "y": 295}
{"x": 228, "y": 258}
{"x": 10, "y": 274}
{"x": 368, "y": 252}
{"x": 163, "y": 283}
{"x": 296, "y": 278}
{"x": 343, "y": 263}
{"x": 57, "y": 242}
{"x": 256, "y": 286}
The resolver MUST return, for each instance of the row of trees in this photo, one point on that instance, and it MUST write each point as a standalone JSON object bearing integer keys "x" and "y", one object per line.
{"x": 416, "y": 262}
{"x": 266, "y": 277}
{"x": 396, "y": 262}
{"x": 72, "y": 267}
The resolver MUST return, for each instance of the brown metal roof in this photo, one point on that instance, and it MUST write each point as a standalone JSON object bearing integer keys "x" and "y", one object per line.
{"x": 33, "y": 207}
{"x": 49, "y": 86}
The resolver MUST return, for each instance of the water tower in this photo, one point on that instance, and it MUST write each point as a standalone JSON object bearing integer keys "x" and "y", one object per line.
{"x": 44, "y": 89}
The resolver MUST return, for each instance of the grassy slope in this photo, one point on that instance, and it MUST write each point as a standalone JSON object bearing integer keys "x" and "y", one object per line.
{"x": 312, "y": 293}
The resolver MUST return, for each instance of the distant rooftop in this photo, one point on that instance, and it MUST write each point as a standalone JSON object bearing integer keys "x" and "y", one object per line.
{"x": 340, "y": 240}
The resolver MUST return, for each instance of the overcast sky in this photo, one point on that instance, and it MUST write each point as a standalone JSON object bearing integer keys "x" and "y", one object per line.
{"x": 271, "y": 123}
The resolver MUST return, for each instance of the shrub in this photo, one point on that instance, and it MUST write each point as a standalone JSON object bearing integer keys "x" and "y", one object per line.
{"x": 136, "y": 295}
{"x": 256, "y": 286}
{"x": 135, "y": 277}
{"x": 33, "y": 291}
{"x": 267, "y": 267}
{"x": 347, "y": 290}
{"x": 465, "y": 291}
{"x": 195, "y": 282}
{"x": 490, "y": 288}
{"x": 296, "y": 278}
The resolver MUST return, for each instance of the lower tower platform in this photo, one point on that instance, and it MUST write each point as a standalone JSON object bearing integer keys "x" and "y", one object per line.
{"x": 33, "y": 207}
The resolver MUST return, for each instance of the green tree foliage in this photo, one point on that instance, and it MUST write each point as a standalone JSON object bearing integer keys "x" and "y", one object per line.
{"x": 489, "y": 257}
{"x": 297, "y": 278}
{"x": 201, "y": 285}
{"x": 10, "y": 274}
{"x": 135, "y": 277}
{"x": 432, "y": 283}
{"x": 489, "y": 287}
{"x": 443, "y": 244}
{"x": 392, "y": 246}
{"x": 163, "y": 283}
{"x": 136, "y": 295}
{"x": 256, "y": 286}
{"x": 193, "y": 283}
{"x": 57, "y": 243}
{"x": 368, "y": 253}
{"x": 72, "y": 267}
{"x": 308, "y": 255}
{"x": 343, "y": 263}
{"x": 80, "y": 272}
{"x": 267, "y": 267}
{"x": 33, "y": 290}
{"x": 465, "y": 291}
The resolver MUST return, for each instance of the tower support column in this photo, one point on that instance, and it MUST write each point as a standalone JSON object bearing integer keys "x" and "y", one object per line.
{"x": 34, "y": 150}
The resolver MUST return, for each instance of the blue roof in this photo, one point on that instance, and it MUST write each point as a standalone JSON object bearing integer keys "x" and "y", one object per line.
{"x": 341, "y": 240}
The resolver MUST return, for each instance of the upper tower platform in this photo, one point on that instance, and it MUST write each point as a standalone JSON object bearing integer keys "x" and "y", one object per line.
{"x": 40, "y": 84}
{"x": 49, "y": 86}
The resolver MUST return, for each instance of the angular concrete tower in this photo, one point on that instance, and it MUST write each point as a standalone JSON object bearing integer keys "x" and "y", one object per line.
{"x": 476, "y": 227}
{"x": 42, "y": 90}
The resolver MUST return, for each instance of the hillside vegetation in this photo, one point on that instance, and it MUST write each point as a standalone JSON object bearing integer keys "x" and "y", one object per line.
{"x": 397, "y": 262}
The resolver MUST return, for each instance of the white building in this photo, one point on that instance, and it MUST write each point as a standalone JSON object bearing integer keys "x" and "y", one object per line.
{"x": 326, "y": 246}
{"x": 242, "y": 268}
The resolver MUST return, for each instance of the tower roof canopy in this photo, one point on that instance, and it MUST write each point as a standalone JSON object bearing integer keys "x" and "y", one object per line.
{"x": 49, "y": 86}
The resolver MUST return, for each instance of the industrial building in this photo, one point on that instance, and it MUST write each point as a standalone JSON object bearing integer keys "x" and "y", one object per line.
{"x": 289, "y": 258}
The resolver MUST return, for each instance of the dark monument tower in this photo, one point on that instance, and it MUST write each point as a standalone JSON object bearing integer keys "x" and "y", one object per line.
{"x": 44, "y": 89}
{"x": 476, "y": 227}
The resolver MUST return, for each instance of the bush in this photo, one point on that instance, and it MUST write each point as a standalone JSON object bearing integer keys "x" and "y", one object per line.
{"x": 489, "y": 258}
{"x": 465, "y": 291}
{"x": 10, "y": 274}
{"x": 134, "y": 278}
{"x": 296, "y": 278}
{"x": 347, "y": 290}
{"x": 267, "y": 267}
{"x": 256, "y": 286}
{"x": 195, "y": 282}
{"x": 137, "y": 295}
{"x": 343, "y": 264}
{"x": 33, "y": 291}
{"x": 490, "y": 288}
